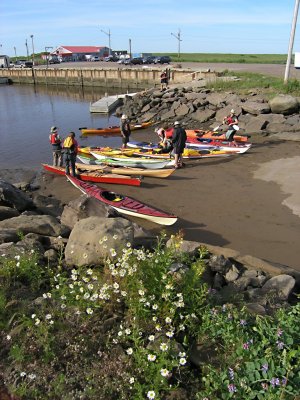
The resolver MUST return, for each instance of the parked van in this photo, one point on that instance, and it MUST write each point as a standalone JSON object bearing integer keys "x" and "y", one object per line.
{"x": 4, "y": 61}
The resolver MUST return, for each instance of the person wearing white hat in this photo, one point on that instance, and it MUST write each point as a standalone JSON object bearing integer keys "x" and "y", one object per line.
{"x": 55, "y": 141}
{"x": 232, "y": 121}
{"x": 178, "y": 140}
{"x": 125, "y": 130}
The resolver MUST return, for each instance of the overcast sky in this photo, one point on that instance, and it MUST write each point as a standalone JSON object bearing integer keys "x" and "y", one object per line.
{"x": 210, "y": 26}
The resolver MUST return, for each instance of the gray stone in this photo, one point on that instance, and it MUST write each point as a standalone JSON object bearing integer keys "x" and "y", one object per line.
{"x": 232, "y": 274}
{"x": 284, "y": 104}
{"x": 256, "y": 309}
{"x": 256, "y": 108}
{"x": 7, "y": 212}
{"x": 219, "y": 264}
{"x": 203, "y": 116}
{"x": 281, "y": 286}
{"x": 81, "y": 208}
{"x": 13, "y": 197}
{"x": 87, "y": 244}
{"x": 40, "y": 224}
{"x": 8, "y": 235}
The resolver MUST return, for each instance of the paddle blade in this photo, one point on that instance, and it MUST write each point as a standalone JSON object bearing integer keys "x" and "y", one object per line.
{"x": 216, "y": 128}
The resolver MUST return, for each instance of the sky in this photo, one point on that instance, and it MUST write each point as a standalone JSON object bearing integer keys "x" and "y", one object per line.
{"x": 211, "y": 26}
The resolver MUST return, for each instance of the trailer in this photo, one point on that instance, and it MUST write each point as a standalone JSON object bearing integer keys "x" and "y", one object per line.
{"x": 297, "y": 60}
{"x": 4, "y": 61}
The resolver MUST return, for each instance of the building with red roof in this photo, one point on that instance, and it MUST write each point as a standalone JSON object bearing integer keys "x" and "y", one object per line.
{"x": 80, "y": 53}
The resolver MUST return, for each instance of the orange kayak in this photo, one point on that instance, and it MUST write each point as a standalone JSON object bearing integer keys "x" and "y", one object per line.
{"x": 193, "y": 133}
{"x": 112, "y": 130}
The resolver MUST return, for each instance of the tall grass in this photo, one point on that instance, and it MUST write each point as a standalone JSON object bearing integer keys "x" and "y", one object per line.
{"x": 246, "y": 81}
{"x": 229, "y": 58}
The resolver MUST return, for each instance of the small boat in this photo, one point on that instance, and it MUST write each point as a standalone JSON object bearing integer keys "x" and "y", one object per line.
{"x": 98, "y": 176}
{"x": 124, "y": 204}
{"x": 112, "y": 130}
{"x": 108, "y": 150}
{"x": 154, "y": 173}
{"x": 134, "y": 162}
{"x": 188, "y": 154}
{"x": 192, "y": 133}
{"x": 200, "y": 143}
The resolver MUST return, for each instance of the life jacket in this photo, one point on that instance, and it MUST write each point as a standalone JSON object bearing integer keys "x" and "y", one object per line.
{"x": 69, "y": 143}
{"x": 54, "y": 138}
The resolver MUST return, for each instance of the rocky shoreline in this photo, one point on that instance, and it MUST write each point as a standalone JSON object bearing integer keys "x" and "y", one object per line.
{"x": 74, "y": 234}
{"x": 196, "y": 107}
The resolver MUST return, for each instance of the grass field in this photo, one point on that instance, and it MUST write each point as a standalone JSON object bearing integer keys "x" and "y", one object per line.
{"x": 229, "y": 58}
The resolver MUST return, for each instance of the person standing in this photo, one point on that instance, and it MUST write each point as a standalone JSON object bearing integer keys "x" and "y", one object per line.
{"x": 163, "y": 80}
{"x": 70, "y": 148}
{"x": 232, "y": 121}
{"x": 178, "y": 141}
{"x": 125, "y": 130}
{"x": 55, "y": 141}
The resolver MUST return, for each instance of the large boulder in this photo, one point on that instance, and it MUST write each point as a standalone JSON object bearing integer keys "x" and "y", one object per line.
{"x": 7, "y": 212}
{"x": 41, "y": 224}
{"x": 92, "y": 240}
{"x": 13, "y": 197}
{"x": 284, "y": 104}
{"x": 256, "y": 108}
{"x": 84, "y": 207}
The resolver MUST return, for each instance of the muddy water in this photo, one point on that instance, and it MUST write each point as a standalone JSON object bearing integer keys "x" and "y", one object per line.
{"x": 28, "y": 112}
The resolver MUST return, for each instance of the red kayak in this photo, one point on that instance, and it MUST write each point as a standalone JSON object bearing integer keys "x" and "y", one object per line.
{"x": 98, "y": 176}
{"x": 124, "y": 204}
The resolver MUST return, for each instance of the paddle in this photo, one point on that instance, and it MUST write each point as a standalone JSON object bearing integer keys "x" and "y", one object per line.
{"x": 216, "y": 128}
{"x": 84, "y": 127}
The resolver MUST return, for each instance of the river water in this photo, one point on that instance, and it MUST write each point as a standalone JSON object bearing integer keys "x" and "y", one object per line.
{"x": 27, "y": 112}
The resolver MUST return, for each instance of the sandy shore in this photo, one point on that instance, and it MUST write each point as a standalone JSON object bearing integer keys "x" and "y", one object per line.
{"x": 250, "y": 202}
{"x": 242, "y": 202}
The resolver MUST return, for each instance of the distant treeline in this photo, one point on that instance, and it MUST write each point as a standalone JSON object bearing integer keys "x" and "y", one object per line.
{"x": 229, "y": 58}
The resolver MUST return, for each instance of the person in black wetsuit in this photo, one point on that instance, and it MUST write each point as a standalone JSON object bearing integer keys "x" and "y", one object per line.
{"x": 178, "y": 141}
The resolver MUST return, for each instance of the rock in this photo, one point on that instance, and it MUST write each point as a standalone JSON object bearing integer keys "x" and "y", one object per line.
{"x": 182, "y": 110}
{"x": 47, "y": 205}
{"x": 83, "y": 207}
{"x": 40, "y": 224}
{"x": 219, "y": 264}
{"x": 281, "y": 286}
{"x": 255, "y": 108}
{"x": 232, "y": 274}
{"x": 203, "y": 116}
{"x": 87, "y": 244}
{"x": 255, "y": 124}
{"x": 7, "y": 212}
{"x": 8, "y": 235}
{"x": 13, "y": 197}
{"x": 256, "y": 309}
{"x": 284, "y": 104}
{"x": 294, "y": 136}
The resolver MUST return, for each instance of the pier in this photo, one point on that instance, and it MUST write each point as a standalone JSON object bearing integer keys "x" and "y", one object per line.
{"x": 108, "y": 103}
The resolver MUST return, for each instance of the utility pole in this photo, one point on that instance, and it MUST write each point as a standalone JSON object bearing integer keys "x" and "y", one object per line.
{"x": 26, "y": 44}
{"x": 130, "y": 48}
{"x": 32, "y": 50}
{"x": 179, "y": 40}
{"x": 15, "y": 52}
{"x": 289, "y": 57}
{"x": 108, "y": 34}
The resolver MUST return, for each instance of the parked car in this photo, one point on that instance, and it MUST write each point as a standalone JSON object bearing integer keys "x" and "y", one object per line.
{"x": 127, "y": 61}
{"x": 95, "y": 58}
{"x": 137, "y": 60}
{"x": 111, "y": 58}
{"x": 54, "y": 60}
{"x": 23, "y": 64}
{"x": 149, "y": 60}
{"x": 162, "y": 60}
